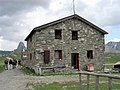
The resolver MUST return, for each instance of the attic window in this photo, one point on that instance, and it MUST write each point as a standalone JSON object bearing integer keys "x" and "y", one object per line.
{"x": 74, "y": 35}
{"x": 58, "y": 34}
{"x": 90, "y": 54}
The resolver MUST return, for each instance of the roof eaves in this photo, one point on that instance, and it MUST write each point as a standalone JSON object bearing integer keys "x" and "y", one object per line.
{"x": 31, "y": 33}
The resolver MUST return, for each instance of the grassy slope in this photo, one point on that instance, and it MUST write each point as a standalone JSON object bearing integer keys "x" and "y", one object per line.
{"x": 111, "y": 58}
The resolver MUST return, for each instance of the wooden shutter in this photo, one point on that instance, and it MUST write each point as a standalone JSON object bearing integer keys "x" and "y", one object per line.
{"x": 61, "y": 54}
{"x": 30, "y": 56}
{"x": 46, "y": 56}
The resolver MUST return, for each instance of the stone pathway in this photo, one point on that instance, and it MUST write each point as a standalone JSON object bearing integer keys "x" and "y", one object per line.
{"x": 15, "y": 80}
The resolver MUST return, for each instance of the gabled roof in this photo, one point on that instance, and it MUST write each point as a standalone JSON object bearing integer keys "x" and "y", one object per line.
{"x": 63, "y": 19}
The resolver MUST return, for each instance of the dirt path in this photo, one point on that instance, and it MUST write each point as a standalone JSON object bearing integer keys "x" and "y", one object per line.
{"x": 15, "y": 80}
{"x": 9, "y": 80}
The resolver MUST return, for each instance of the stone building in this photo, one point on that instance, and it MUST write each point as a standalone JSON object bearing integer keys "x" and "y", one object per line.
{"x": 71, "y": 41}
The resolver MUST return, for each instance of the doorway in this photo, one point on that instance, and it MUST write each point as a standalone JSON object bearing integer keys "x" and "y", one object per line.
{"x": 46, "y": 56}
{"x": 75, "y": 60}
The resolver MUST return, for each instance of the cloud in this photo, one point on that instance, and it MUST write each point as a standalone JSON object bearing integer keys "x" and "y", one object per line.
{"x": 116, "y": 40}
{"x": 10, "y": 7}
{"x": 19, "y": 17}
{"x": 103, "y": 12}
{"x": 6, "y": 45}
{"x": 13, "y": 20}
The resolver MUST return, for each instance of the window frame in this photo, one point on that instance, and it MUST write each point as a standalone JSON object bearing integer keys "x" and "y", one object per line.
{"x": 90, "y": 54}
{"x": 58, "y": 34}
{"x": 74, "y": 35}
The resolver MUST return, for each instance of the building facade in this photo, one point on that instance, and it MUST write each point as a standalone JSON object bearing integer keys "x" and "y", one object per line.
{"x": 71, "y": 41}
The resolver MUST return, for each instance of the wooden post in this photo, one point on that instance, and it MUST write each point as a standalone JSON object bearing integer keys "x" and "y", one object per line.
{"x": 97, "y": 82}
{"x": 110, "y": 77}
{"x": 40, "y": 70}
{"x": 110, "y": 83}
{"x": 80, "y": 77}
{"x": 88, "y": 82}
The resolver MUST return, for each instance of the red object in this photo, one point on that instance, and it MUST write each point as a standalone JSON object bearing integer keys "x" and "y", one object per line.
{"x": 118, "y": 63}
{"x": 90, "y": 67}
{"x": 61, "y": 54}
{"x": 30, "y": 56}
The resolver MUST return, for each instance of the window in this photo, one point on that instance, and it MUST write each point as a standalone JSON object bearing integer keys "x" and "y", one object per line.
{"x": 58, "y": 34}
{"x": 74, "y": 35}
{"x": 58, "y": 54}
{"x": 90, "y": 54}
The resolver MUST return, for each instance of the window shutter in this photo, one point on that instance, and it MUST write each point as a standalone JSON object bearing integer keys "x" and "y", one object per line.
{"x": 61, "y": 54}
{"x": 30, "y": 56}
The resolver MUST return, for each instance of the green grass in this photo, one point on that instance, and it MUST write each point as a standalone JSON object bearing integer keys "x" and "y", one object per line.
{"x": 28, "y": 71}
{"x": 73, "y": 86}
{"x": 59, "y": 73}
{"x": 111, "y": 58}
{"x": 57, "y": 86}
{"x": 2, "y": 66}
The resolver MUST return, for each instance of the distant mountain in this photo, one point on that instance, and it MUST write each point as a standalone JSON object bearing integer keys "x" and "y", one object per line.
{"x": 112, "y": 47}
{"x": 20, "y": 47}
{"x": 5, "y": 52}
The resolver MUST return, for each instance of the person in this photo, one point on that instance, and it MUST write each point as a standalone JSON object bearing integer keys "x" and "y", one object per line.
{"x": 10, "y": 63}
{"x": 6, "y": 64}
{"x": 14, "y": 63}
{"x": 19, "y": 63}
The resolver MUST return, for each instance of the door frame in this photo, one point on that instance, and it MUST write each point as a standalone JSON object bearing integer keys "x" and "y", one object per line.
{"x": 46, "y": 56}
{"x": 75, "y": 60}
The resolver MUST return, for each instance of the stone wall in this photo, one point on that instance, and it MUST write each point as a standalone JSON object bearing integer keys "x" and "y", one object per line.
{"x": 88, "y": 39}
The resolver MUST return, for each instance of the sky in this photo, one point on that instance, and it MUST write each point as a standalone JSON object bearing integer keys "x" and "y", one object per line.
{"x": 19, "y": 17}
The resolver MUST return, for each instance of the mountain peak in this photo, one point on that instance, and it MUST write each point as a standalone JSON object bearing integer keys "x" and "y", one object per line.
{"x": 20, "y": 47}
{"x": 112, "y": 47}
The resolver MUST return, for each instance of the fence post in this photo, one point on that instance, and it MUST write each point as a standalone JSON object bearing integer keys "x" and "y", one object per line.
{"x": 80, "y": 77}
{"x": 110, "y": 83}
{"x": 88, "y": 82}
{"x": 97, "y": 82}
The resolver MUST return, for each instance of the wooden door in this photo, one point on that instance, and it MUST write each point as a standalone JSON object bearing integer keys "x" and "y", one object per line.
{"x": 75, "y": 60}
{"x": 46, "y": 56}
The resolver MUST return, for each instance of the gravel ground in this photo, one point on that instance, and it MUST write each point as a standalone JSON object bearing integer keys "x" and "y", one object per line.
{"x": 15, "y": 80}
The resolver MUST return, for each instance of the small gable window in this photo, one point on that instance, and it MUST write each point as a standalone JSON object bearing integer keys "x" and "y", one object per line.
{"x": 74, "y": 35}
{"x": 58, "y": 34}
{"x": 90, "y": 54}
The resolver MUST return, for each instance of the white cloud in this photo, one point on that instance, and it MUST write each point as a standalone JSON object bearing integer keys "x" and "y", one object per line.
{"x": 116, "y": 40}
{"x": 7, "y": 45}
{"x": 18, "y": 18}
